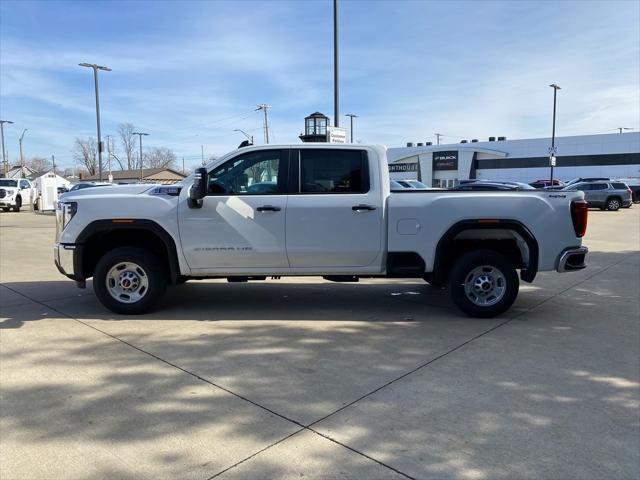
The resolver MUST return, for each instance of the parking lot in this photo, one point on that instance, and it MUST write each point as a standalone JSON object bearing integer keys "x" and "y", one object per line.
{"x": 300, "y": 377}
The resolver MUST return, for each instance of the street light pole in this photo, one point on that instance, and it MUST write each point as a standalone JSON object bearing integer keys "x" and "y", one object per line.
{"x": 552, "y": 152}
{"x": 95, "y": 79}
{"x": 21, "y": 157}
{"x": 351, "y": 116}
{"x": 249, "y": 137}
{"x": 4, "y": 153}
{"x": 336, "y": 65}
{"x": 140, "y": 135}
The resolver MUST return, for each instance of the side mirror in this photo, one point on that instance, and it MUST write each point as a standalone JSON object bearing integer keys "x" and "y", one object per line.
{"x": 199, "y": 188}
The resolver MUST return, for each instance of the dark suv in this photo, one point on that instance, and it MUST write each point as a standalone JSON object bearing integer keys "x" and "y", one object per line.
{"x": 605, "y": 195}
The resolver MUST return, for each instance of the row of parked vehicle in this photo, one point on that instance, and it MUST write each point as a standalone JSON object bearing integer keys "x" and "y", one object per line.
{"x": 603, "y": 193}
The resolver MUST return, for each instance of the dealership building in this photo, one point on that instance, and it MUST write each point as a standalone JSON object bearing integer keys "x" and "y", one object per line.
{"x": 614, "y": 155}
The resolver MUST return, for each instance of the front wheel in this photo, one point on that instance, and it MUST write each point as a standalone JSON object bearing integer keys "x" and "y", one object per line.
{"x": 129, "y": 280}
{"x": 483, "y": 283}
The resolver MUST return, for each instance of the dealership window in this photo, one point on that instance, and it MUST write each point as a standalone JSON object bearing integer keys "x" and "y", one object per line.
{"x": 333, "y": 171}
{"x": 255, "y": 173}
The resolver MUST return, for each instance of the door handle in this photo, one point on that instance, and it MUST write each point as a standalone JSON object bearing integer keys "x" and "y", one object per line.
{"x": 268, "y": 208}
{"x": 358, "y": 208}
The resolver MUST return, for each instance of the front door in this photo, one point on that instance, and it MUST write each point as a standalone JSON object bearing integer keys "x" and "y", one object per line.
{"x": 241, "y": 225}
{"x": 334, "y": 213}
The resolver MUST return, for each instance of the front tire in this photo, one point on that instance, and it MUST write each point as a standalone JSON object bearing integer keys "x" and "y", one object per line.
{"x": 130, "y": 280}
{"x": 16, "y": 207}
{"x": 483, "y": 283}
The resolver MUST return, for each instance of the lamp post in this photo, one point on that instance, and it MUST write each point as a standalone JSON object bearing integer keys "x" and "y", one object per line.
{"x": 552, "y": 150}
{"x": 4, "y": 153}
{"x": 249, "y": 137}
{"x": 21, "y": 157}
{"x": 140, "y": 135}
{"x": 351, "y": 117}
{"x": 95, "y": 79}
{"x": 336, "y": 65}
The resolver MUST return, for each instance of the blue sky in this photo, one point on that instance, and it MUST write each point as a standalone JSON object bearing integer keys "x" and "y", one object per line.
{"x": 190, "y": 72}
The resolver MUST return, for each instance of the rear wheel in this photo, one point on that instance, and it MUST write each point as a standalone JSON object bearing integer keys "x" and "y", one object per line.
{"x": 613, "y": 204}
{"x": 129, "y": 280}
{"x": 483, "y": 283}
{"x": 16, "y": 207}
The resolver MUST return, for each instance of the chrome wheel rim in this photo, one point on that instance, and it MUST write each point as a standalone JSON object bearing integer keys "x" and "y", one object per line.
{"x": 485, "y": 285}
{"x": 614, "y": 204}
{"x": 127, "y": 282}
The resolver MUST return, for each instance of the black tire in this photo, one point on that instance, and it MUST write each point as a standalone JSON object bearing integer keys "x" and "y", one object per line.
{"x": 152, "y": 267}
{"x": 613, "y": 204}
{"x": 6, "y": 209}
{"x": 504, "y": 274}
{"x": 16, "y": 207}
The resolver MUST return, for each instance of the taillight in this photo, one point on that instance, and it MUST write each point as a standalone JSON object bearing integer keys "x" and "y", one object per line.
{"x": 579, "y": 212}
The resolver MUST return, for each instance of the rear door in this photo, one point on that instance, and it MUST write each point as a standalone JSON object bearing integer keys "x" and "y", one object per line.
{"x": 335, "y": 212}
{"x": 241, "y": 225}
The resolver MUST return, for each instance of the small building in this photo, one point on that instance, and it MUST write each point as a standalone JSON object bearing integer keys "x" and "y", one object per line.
{"x": 149, "y": 175}
{"x": 18, "y": 171}
{"x": 315, "y": 128}
{"x": 615, "y": 155}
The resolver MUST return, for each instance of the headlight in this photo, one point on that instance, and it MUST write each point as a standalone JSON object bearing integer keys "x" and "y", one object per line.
{"x": 68, "y": 210}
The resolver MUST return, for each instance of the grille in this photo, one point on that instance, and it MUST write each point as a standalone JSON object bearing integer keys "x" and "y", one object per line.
{"x": 3, "y": 193}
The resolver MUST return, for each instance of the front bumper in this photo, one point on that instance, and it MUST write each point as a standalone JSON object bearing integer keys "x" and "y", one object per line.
{"x": 8, "y": 202}
{"x": 66, "y": 257}
{"x": 572, "y": 259}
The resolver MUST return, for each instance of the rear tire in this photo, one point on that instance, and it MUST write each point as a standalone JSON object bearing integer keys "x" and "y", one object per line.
{"x": 130, "y": 280}
{"x": 613, "y": 204}
{"x": 16, "y": 207}
{"x": 483, "y": 283}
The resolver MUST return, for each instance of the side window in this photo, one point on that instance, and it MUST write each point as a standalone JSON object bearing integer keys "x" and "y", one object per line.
{"x": 24, "y": 184}
{"x": 599, "y": 186}
{"x": 619, "y": 186}
{"x": 585, "y": 187}
{"x": 333, "y": 171}
{"x": 254, "y": 173}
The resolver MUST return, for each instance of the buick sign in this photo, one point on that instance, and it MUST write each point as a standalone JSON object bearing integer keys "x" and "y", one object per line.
{"x": 445, "y": 160}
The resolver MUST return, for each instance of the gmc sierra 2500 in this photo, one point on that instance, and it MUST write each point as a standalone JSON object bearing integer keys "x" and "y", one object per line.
{"x": 313, "y": 209}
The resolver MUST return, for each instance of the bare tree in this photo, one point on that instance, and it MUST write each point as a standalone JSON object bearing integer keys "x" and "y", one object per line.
{"x": 159, "y": 157}
{"x": 39, "y": 164}
{"x": 85, "y": 151}
{"x": 128, "y": 142}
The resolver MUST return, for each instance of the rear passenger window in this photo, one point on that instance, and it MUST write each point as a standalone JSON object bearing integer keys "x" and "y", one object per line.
{"x": 619, "y": 186}
{"x": 599, "y": 186}
{"x": 333, "y": 171}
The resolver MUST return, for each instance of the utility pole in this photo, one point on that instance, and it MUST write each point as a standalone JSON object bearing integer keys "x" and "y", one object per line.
{"x": 140, "y": 135}
{"x": 183, "y": 165}
{"x": 53, "y": 161}
{"x": 21, "y": 158}
{"x": 552, "y": 150}
{"x": 264, "y": 107}
{"x": 95, "y": 80}
{"x": 438, "y": 135}
{"x": 351, "y": 116}
{"x": 336, "y": 67}
{"x": 202, "y": 153}
{"x": 5, "y": 166}
{"x": 109, "y": 175}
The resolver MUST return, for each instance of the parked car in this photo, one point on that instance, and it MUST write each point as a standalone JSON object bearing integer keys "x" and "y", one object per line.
{"x": 547, "y": 183}
{"x": 14, "y": 193}
{"x": 82, "y": 185}
{"x": 604, "y": 195}
{"x": 412, "y": 184}
{"x": 332, "y": 216}
{"x": 492, "y": 185}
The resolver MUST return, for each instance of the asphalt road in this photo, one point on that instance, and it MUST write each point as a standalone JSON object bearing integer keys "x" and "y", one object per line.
{"x": 304, "y": 378}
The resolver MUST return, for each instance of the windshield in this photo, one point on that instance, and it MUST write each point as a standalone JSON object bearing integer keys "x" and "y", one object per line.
{"x": 8, "y": 183}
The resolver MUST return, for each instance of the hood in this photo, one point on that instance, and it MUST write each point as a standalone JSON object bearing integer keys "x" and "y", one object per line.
{"x": 133, "y": 189}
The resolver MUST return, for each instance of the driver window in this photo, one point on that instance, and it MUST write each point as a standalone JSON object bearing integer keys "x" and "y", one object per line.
{"x": 254, "y": 173}
{"x": 24, "y": 184}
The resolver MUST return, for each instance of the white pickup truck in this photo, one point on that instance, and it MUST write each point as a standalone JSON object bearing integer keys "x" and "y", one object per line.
{"x": 14, "y": 193}
{"x": 313, "y": 209}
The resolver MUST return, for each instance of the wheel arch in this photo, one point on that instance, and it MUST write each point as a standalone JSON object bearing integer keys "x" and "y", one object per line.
{"x": 483, "y": 233}
{"x": 101, "y": 236}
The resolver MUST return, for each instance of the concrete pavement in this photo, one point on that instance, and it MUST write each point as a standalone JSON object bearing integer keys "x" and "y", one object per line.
{"x": 302, "y": 377}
